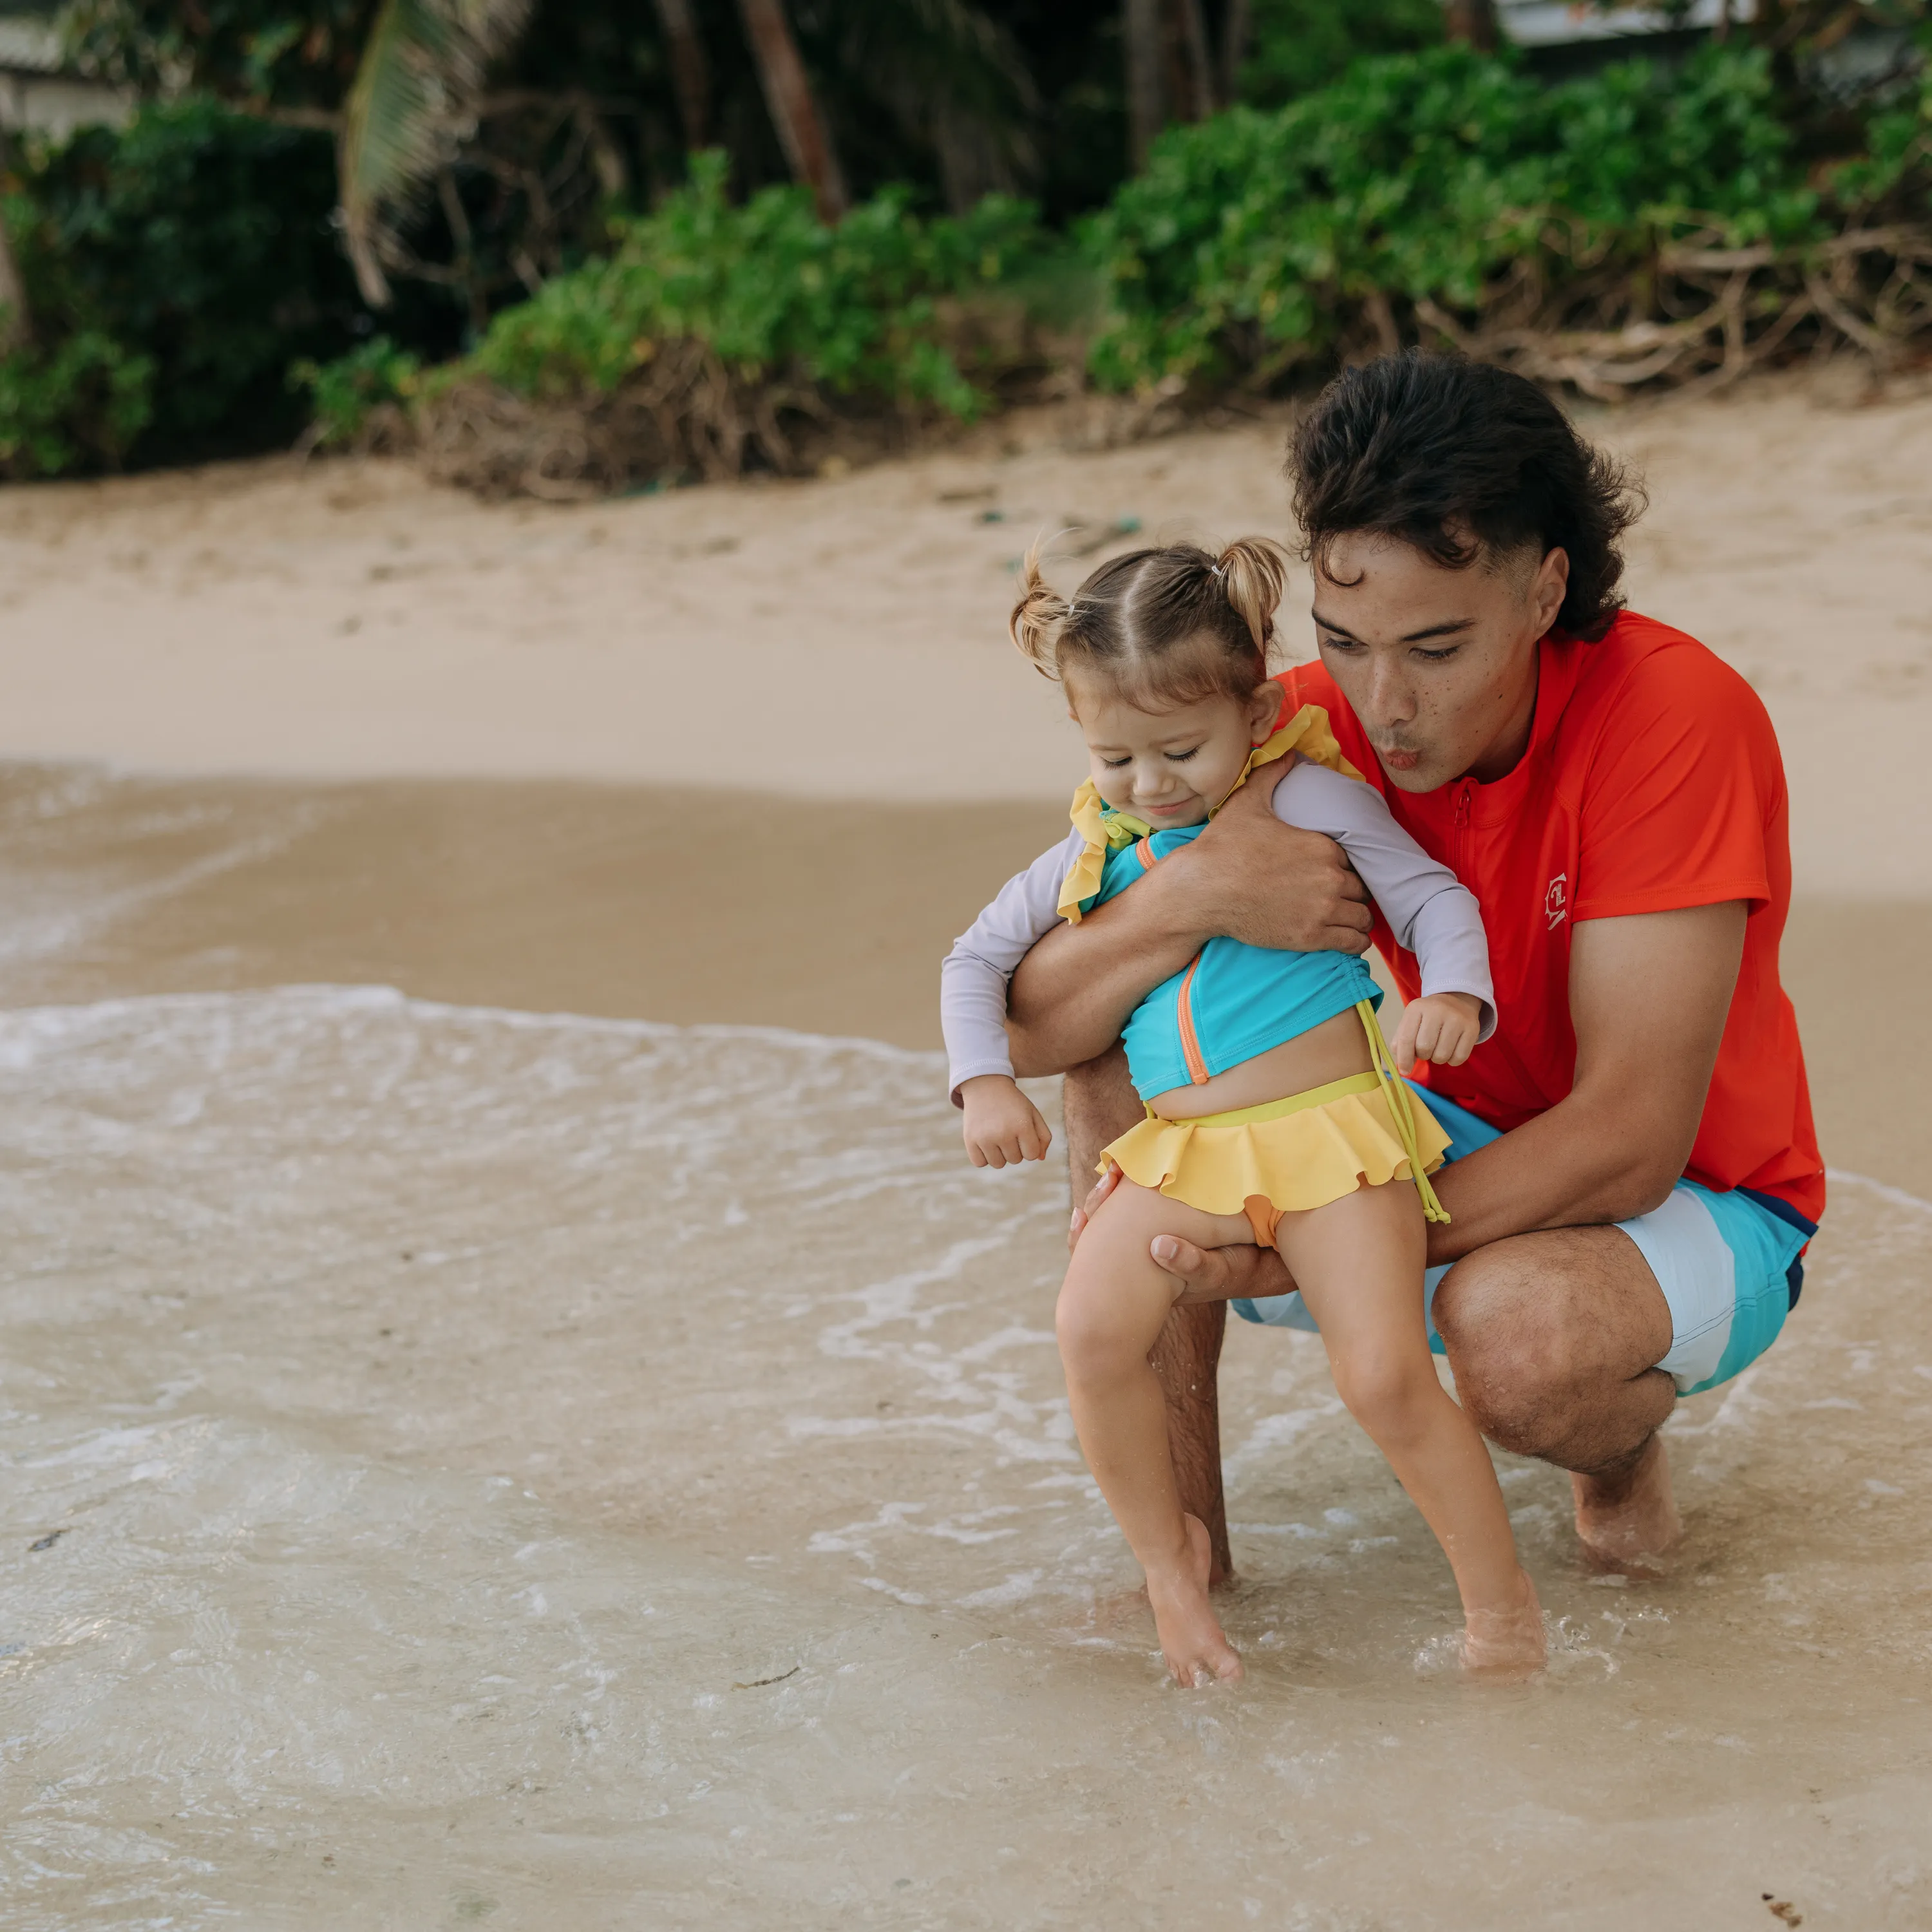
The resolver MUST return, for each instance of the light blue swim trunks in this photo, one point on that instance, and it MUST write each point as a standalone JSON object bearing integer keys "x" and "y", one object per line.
{"x": 1729, "y": 1266}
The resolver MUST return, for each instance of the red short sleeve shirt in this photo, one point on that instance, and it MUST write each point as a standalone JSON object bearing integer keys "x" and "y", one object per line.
{"x": 1652, "y": 782}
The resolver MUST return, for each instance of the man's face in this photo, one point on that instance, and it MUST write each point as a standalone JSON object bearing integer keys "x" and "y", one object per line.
{"x": 1439, "y": 664}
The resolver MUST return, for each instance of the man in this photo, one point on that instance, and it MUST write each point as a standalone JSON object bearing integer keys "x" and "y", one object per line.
{"x": 1635, "y": 1173}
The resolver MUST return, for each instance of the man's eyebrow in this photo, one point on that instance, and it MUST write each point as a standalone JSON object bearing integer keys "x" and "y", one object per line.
{"x": 1449, "y": 628}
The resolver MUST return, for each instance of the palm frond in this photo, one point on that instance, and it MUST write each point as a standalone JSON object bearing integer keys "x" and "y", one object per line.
{"x": 420, "y": 72}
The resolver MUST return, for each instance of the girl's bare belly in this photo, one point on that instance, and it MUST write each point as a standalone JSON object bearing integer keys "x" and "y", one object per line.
{"x": 1332, "y": 1050}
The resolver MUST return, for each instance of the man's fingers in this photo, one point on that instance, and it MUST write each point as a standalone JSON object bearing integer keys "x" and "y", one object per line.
{"x": 1097, "y": 1193}
{"x": 1217, "y": 1274}
{"x": 1101, "y": 1188}
{"x": 1197, "y": 1267}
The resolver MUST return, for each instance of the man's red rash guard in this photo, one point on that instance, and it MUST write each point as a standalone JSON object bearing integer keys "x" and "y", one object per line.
{"x": 1652, "y": 782}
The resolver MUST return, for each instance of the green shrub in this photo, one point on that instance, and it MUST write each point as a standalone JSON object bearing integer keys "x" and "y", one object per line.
{"x": 1297, "y": 46}
{"x": 1254, "y": 241}
{"x": 1894, "y": 176}
{"x": 200, "y": 239}
{"x": 346, "y": 394}
{"x": 79, "y": 405}
{"x": 195, "y": 244}
{"x": 770, "y": 292}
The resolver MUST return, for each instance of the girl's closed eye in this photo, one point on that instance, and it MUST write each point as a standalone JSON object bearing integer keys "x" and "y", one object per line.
{"x": 1181, "y": 757}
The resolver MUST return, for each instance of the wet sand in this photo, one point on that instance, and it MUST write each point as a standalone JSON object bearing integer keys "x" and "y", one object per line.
{"x": 611, "y": 1468}
{"x": 694, "y": 908}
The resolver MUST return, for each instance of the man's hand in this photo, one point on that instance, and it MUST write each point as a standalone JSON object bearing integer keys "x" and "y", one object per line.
{"x": 1247, "y": 875}
{"x": 1272, "y": 885}
{"x": 1439, "y": 1026}
{"x": 1002, "y": 1127}
{"x": 1207, "y": 1274}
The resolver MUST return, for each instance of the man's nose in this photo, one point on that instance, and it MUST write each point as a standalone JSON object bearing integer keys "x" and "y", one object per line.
{"x": 1391, "y": 698}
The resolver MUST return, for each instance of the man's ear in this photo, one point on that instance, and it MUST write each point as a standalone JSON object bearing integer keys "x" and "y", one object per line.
{"x": 1549, "y": 587}
{"x": 1264, "y": 708}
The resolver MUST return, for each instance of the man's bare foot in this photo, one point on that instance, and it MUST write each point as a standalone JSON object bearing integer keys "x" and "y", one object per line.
{"x": 1192, "y": 1639}
{"x": 1627, "y": 1521}
{"x": 1506, "y": 1646}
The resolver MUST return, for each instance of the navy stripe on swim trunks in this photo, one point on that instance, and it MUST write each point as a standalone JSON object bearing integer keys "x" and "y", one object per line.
{"x": 1794, "y": 1275}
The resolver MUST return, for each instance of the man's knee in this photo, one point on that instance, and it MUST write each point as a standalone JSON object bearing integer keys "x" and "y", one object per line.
{"x": 1520, "y": 1360}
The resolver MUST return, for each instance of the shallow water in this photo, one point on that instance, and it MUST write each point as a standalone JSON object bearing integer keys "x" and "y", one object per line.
{"x": 559, "y": 1472}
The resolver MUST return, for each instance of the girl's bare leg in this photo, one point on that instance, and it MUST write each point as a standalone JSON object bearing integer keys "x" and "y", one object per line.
{"x": 1112, "y": 1307}
{"x": 1358, "y": 1262}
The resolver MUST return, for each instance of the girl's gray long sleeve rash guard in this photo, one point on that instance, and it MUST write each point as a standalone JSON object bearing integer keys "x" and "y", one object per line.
{"x": 1431, "y": 914}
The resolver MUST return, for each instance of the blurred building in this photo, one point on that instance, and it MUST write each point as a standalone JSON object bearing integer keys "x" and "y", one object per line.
{"x": 1562, "y": 38}
{"x": 38, "y": 90}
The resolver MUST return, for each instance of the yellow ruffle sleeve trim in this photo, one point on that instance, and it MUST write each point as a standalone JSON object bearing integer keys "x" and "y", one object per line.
{"x": 1104, "y": 832}
{"x": 1307, "y": 732}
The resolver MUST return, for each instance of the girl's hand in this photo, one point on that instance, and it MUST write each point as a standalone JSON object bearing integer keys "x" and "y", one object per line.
{"x": 1439, "y": 1026}
{"x": 1003, "y": 1126}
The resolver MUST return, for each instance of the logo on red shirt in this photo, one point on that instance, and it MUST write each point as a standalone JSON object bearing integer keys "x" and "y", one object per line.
{"x": 1554, "y": 908}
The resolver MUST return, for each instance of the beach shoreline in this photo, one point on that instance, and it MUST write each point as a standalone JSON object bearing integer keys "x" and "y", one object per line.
{"x": 845, "y": 638}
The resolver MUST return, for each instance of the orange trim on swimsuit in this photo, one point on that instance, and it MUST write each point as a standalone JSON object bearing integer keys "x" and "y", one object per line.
{"x": 1190, "y": 1045}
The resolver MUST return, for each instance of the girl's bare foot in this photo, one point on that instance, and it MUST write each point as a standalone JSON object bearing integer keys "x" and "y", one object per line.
{"x": 1192, "y": 1639}
{"x": 1506, "y": 1646}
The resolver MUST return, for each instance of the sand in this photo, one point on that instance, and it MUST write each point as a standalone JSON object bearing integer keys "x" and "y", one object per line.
{"x": 610, "y": 1468}
{"x": 846, "y": 639}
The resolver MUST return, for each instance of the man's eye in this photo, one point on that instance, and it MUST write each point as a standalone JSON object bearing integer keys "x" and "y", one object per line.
{"x": 1438, "y": 657}
{"x": 1340, "y": 644}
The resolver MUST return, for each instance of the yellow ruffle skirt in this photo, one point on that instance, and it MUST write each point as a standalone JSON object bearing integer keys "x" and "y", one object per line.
{"x": 1288, "y": 1156}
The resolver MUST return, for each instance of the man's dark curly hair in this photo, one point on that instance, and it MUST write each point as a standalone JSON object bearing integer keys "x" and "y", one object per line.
{"x": 1464, "y": 461}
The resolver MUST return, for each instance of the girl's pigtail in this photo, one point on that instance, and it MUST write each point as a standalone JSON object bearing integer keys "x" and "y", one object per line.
{"x": 1254, "y": 574}
{"x": 1037, "y": 618}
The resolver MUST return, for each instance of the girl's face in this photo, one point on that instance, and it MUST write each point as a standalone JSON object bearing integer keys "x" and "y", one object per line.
{"x": 1170, "y": 767}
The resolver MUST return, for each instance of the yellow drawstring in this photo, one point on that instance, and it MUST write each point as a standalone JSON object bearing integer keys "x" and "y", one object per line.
{"x": 1397, "y": 1091}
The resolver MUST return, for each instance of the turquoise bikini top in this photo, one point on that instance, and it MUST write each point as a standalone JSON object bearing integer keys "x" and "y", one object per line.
{"x": 1232, "y": 1001}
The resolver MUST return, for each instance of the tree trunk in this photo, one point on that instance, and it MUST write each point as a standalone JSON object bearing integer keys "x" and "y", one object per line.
{"x": 1474, "y": 21}
{"x": 1141, "y": 38}
{"x": 1236, "y": 31}
{"x": 794, "y": 112}
{"x": 16, "y": 320}
{"x": 690, "y": 71}
{"x": 1199, "y": 62}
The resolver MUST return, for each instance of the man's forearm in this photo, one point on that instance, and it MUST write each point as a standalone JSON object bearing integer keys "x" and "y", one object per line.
{"x": 1073, "y": 992}
{"x": 1580, "y": 1165}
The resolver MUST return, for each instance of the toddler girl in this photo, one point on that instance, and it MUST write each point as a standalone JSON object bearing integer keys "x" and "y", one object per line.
{"x": 1275, "y": 1114}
